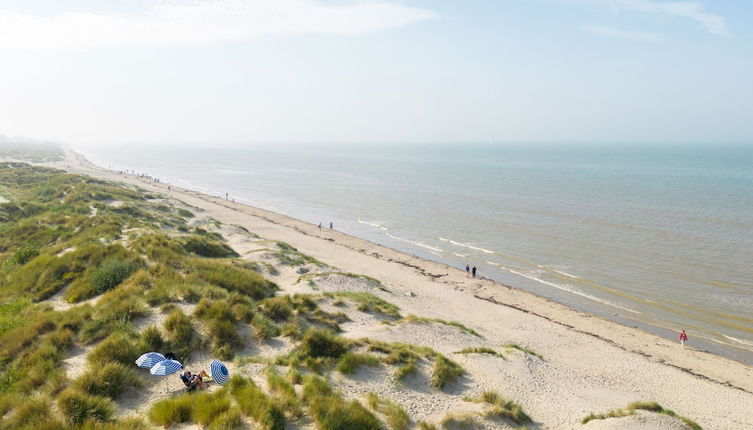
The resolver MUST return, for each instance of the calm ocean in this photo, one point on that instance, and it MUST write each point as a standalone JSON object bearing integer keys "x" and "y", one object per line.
{"x": 659, "y": 237}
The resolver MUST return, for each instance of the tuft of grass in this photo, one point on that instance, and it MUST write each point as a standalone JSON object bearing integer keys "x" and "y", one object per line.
{"x": 264, "y": 328}
{"x": 502, "y": 408}
{"x": 233, "y": 278}
{"x": 641, "y": 405}
{"x": 206, "y": 247}
{"x": 118, "y": 348}
{"x": 444, "y": 372}
{"x": 320, "y": 343}
{"x": 479, "y": 350}
{"x": 207, "y": 407}
{"x": 172, "y": 411}
{"x": 180, "y": 333}
{"x": 284, "y": 393}
{"x": 423, "y": 425}
{"x": 524, "y": 350}
{"x": 406, "y": 369}
{"x": 422, "y": 320}
{"x": 397, "y": 418}
{"x": 229, "y": 420}
{"x": 253, "y": 402}
{"x": 109, "y": 380}
{"x": 349, "y": 362}
{"x": 31, "y": 413}
{"x": 78, "y": 407}
{"x": 368, "y": 302}
{"x": 465, "y": 420}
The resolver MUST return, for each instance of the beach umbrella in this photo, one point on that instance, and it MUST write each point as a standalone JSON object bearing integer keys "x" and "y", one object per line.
{"x": 148, "y": 360}
{"x": 165, "y": 367}
{"x": 219, "y": 372}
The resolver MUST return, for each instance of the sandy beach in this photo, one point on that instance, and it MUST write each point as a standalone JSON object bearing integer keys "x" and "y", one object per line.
{"x": 589, "y": 364}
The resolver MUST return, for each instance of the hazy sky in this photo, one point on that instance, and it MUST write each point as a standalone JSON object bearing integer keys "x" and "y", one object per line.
{"x": 119, "y": 71}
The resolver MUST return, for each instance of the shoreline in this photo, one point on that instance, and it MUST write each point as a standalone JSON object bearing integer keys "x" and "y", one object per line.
{"x": 709, "y": 333}
{"x": 546, "y": 325}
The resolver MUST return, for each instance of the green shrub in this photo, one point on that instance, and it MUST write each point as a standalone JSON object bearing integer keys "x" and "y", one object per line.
{"x": 110, "y": 273}
{"x": 25, "y": 253}
{"x": 320, "y": 343}
{"x": 78, "y": 407}
{"x": 172, "y": 411}
{"x": 109, "y": 380}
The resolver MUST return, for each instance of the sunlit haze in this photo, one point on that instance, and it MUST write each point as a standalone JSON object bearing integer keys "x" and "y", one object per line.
{"x": 189, "y": 71}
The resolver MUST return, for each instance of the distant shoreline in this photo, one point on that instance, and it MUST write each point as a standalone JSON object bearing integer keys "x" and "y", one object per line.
{"x": 409, "y": 268}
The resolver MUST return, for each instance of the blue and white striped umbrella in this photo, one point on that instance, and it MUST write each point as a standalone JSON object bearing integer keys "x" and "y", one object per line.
{"x": 165, "y": 367}
{"x": 219, "y": 372}
{"x": 148, "y": 360}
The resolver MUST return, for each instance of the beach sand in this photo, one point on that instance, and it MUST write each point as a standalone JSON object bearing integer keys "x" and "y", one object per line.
{"x": 589, "y": 364}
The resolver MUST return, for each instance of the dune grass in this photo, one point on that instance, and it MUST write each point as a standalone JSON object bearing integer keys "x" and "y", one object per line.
{"x": 649, "y": 406}
{"x": 500, "y": 407}
{"x": 368, "y": 302}
{"x": 109, "y": 380}
{"x": 78, "y": 407}
{"x": 422, "y": 320}
{"x": 480, "y": 350}
{"x": 524, "y": 350}
{"x": 395, "y": 415}
{"x": 349, "y": 362}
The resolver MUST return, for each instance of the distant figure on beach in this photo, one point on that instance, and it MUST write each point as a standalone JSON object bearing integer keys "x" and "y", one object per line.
{"x": 683, "y": 338}
{"x": 330, "y": 225}
{"x": 473, "y": 271}
{"x": 320, "y": 226}
{"x": 467, "y": 271}
{"x": 226, "y": 196}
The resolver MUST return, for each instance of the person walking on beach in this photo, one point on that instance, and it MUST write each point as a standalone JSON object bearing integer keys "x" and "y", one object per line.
{"x": 473, "y": 271}
{"x": 467, "y": 271}
{"x": 320, "y": 226}
{"x": 683, "y": 338}
{"x": 330, "y": 225}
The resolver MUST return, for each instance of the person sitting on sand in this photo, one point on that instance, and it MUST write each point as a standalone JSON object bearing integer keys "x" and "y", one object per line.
{"x": 683, "y": 338}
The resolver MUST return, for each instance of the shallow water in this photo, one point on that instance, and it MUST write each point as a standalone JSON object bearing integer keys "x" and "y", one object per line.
{"x": 653, "y": 236}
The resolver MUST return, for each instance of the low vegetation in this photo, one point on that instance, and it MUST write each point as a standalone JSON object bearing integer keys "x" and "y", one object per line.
{"x": 395, "y": 415}
{"x": 524, "y": 350}
{"x": 631, "y": 409}
{"x": 421, "y": 320}
{"x": 480, "y": 350}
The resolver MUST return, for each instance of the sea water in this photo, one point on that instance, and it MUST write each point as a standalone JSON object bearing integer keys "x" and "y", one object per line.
{"x": 655, "y": 236}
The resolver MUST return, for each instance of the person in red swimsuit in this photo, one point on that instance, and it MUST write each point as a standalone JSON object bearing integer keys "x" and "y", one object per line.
{"x": 683, "y": 338}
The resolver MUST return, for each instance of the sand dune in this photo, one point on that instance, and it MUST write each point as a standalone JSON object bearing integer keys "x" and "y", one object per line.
{"x": 588, "y": 365}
